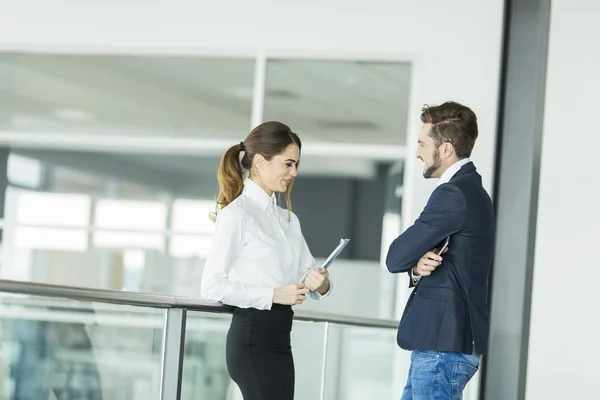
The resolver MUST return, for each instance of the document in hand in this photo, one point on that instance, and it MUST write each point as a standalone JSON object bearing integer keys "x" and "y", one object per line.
{"x": 332, "y": 256}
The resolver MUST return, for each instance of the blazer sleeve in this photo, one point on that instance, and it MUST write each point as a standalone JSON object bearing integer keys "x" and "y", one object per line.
{"x": 443, "y": 216}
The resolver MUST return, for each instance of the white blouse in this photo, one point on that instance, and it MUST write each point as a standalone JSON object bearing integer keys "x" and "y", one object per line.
{"x": 255, "y": 249}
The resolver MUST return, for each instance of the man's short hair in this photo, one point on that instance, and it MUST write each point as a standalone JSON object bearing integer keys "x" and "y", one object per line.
{"x": 453, "y": 123}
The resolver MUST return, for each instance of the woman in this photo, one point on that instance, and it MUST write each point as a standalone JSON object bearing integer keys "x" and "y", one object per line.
{"x": 257, "y": 258}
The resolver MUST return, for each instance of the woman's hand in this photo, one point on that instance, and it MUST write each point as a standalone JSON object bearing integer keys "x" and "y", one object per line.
{"x": 318, "y": 280}
{"x": 294, "y": 293}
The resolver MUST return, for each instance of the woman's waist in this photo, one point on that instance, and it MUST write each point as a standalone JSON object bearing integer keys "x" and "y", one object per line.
{"x": 279, "y": 317}
{"x": 276, "y": 309}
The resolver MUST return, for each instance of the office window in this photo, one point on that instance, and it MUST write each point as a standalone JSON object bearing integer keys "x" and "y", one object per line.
{"x": 121, "y": 224}
{"x": 56, "y": 221}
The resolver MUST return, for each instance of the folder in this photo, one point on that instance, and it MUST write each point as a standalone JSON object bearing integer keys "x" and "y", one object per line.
{"x": 332, "y": 256}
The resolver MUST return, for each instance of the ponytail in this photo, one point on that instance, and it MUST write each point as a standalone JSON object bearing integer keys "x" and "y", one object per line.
{"x": 267, "y": 139}
{"x": 230, "y": 177}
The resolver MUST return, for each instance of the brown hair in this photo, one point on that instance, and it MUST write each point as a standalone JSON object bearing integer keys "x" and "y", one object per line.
{"x": 453, "y": 123}
{"x": 267, "y": 139}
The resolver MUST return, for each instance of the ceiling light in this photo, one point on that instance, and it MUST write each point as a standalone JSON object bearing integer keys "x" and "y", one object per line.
{"x": 72, "y": 114}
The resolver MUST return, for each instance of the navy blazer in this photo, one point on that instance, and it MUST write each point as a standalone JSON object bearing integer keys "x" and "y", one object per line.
{"x": 447, "y": 310}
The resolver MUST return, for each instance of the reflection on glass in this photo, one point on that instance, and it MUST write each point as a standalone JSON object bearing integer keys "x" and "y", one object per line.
{"x": 126, "y": 96}
{"x": 78, "y": 350}
{"x": 340, "y": 101}
{"x": 360, "y": 363}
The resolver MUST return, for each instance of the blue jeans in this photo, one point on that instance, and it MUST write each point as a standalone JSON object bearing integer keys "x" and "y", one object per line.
{"x": 436, "y": 375}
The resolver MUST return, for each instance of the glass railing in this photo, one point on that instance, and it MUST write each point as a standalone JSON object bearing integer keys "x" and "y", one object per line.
{"x": 70, "y": 343}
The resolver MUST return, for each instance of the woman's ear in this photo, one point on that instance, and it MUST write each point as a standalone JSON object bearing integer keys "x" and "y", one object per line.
{"x": 259, "y": 161}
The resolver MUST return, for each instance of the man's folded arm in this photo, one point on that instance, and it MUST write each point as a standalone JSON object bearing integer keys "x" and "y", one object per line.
{"x": 443, "y": 215}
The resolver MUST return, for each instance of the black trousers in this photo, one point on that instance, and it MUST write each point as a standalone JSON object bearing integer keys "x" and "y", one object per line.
{"x": 259, "y": 353}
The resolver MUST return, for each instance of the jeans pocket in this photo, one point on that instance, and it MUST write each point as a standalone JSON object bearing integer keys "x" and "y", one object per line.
{"x": 461, "y": 375}
{"x": 429, "y": 353}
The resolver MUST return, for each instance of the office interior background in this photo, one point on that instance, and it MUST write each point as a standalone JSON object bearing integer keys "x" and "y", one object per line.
{"x": 113, "y": 117}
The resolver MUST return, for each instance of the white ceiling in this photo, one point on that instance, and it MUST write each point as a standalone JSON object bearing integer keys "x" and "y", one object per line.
{"x": 202, "y": 98}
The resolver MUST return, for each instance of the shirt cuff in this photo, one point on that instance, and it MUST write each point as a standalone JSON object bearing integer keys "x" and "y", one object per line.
{"x": 415, "y": 278}
{"x": 318, "y": 296}
{"x": 261, "y": 298}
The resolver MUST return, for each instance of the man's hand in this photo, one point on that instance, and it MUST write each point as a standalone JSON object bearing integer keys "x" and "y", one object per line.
{"x": 318, "y": 280}
{"x": 428, "y": 263}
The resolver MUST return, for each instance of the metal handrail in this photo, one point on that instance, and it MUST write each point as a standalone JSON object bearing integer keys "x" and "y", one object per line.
{"x": 167, "y": 301}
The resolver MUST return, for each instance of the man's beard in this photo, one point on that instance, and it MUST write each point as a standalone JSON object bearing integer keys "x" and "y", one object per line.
{"x": 437, "y": 163}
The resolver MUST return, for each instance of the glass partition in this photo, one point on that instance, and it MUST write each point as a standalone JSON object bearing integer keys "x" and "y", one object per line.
{"x": 308, "y": 347}
{"x": 70, "y": 349}
{"x": 332, "y": 361}
{"x": 360, "y": 363}
{"x": 55, "y": 348}
{"x": 204, "y": 368}
{"x": 205, "y": 373}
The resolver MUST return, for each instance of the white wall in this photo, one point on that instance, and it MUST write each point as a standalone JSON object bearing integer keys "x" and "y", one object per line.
{"x": 565, "y": 327}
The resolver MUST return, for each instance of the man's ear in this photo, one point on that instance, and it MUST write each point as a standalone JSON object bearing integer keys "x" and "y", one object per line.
{"x": 447, "y": 150}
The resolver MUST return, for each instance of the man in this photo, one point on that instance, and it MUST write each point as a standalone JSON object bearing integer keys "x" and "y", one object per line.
{"x": 445, "y": 322}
